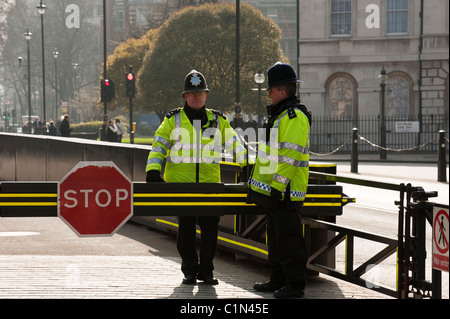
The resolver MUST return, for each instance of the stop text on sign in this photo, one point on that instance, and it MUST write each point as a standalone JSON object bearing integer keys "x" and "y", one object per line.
{"x": 102, "y": 197}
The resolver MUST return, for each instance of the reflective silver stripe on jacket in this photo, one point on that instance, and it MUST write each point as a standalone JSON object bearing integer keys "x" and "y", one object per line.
{"x": 267, "y": 188}
{"x": 163, "y": 141}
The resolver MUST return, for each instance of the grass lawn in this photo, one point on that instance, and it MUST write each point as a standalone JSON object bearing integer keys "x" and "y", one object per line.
{"x": 139, "y": 140}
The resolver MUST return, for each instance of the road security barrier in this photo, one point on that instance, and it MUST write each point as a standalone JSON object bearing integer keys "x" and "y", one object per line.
{"x": 242, "y": 227}
{"x": 39, "y": 199}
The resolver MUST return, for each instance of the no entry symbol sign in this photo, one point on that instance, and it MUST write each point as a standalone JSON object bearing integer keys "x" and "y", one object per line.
{"x": 440, "y": 238}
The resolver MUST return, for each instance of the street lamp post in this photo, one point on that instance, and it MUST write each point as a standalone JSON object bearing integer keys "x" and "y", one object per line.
{"x": 28, "y": 37}
{"x": 55, "y": 56}
{"x": 41, "y": 8}
{"x": 259, "y": 79}
{"x": 382, "y": 79}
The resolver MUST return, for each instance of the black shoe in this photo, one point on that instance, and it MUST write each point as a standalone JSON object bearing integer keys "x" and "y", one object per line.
{"x": 267, "y": 286}
{"x": 208, "y": 280}
{"x": 289, "y": 291}
{"x": 190, "y": 280}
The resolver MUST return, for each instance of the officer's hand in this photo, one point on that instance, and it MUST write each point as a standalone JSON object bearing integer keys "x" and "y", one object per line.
{"x": 244, "y": 176}
{"x": 275, "y": 197}
{"x": 154, "y": 176}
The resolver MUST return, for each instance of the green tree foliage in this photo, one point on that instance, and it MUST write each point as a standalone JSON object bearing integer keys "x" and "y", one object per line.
{"x": 203, "y": 38}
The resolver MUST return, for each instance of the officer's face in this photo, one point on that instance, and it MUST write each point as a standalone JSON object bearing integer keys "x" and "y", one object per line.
{"x": 276, "y": 95}
{"x": 196, "y": 100}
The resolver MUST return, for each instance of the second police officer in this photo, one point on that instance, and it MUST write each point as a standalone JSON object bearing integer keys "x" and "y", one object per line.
{"x": 191, "y": 139}
{"x": 279, "y": 182}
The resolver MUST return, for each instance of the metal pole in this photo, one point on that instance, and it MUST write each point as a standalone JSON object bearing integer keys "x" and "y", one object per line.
{"x": 105, "y": 103}
{"x": 400, "y": 247}
{"x": 298, "y": 45}
{"x": 238, "y": 13}
{"x": 442, "y": 161}
{"x": 56, "y": 89}
{"x": 130, "y": 71}
{"x": 29, "y": 86}
{"x": 43, "y": 75}
{"x": 131, "y": 121}
{"x": 354, "y": 161}
{"x": 383, "y": 123}
{"x": 259, "y": 105}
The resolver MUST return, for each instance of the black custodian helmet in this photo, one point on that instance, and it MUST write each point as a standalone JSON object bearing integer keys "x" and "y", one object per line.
{"x": 195, "y": 82}
{"x": 281, "y": 73}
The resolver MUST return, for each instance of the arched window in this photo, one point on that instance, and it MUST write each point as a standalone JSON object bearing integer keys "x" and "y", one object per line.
{"x": 398, "y": 96}
{"x": 341, "y": 102}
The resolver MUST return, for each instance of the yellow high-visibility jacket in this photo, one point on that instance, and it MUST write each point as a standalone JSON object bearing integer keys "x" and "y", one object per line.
{"x": 283, "y": 158}
{"x": 192, "y": 157}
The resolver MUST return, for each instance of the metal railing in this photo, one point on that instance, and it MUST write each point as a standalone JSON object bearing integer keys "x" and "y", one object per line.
{"x": 413, "y": 213}
{"x": 330, "y": 133}
{"x": 441, "y": 143}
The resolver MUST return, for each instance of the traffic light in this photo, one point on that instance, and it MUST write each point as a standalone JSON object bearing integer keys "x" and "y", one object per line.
{"x": 107, "y": 90}
{"x": 130, "y": 85}
{"x": 4, "y": 115}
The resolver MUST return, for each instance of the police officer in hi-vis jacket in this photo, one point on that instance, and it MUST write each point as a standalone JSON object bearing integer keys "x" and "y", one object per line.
{"x": 191, "y": 139}
{"x": 279, "y": 181}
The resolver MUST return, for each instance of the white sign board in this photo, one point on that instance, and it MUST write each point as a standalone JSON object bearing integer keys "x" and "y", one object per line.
{"x": 407, "y": 127}
{"x": 440, "y": 238}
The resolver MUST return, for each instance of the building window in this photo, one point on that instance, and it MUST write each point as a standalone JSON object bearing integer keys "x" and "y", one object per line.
{"x": 341, "y": 98}
{"x": 341, "y": 17}
{"x": 397, "y": 98}
{"x": 272, "y": 13}
{"x": 119, "y": 20}
{"x": 397, "y": 16}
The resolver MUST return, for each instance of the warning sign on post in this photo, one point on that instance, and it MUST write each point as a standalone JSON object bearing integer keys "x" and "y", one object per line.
{"x": 440, "y": 238}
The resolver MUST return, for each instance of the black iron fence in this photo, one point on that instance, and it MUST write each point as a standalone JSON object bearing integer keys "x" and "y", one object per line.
{"x": 330, "y": 135}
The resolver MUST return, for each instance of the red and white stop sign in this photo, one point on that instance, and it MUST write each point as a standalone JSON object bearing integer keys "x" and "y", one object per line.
{"x": 95, "y": 198}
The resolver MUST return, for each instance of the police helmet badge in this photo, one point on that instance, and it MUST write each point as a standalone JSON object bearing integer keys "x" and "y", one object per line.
{"x": 195, "y": 80}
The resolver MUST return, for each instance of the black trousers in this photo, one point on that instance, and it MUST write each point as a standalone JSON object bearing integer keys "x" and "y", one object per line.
{"x": 287, "y": 249}
{"x": 186, "y": 244}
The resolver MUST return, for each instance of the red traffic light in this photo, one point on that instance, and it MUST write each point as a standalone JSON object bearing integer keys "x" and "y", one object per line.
{"x": 107, "y": 90}
{"x": 130, "y": 76}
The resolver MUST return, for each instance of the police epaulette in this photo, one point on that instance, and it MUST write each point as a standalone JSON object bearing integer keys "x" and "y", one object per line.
{"x": 291, "y": 113}
{"x": 173, "y": 112}
{"x": 219, "y": 113}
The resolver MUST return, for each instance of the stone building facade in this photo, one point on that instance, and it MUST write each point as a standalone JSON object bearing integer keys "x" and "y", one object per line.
{"x": 344, "y": 45}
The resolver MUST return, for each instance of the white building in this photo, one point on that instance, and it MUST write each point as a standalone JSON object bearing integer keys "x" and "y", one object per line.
{"x": 344, "y": 45}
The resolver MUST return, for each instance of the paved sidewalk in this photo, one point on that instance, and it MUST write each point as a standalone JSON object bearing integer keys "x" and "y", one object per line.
{"x": 155, "y": 277}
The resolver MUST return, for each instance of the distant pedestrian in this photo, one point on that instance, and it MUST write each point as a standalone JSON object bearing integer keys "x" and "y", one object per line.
{"x": 111, "y": 133}
{"x": 64, "y": 128}
{"x": 251, "y": 123}
{"x": 52, "y": 129}
{"x": 120, "y": 130}
{"x": 37, "y": 126}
